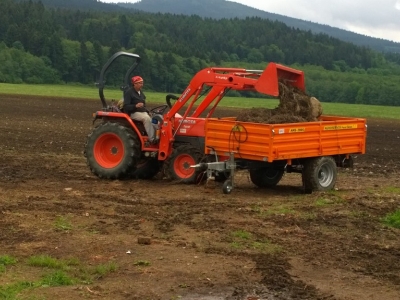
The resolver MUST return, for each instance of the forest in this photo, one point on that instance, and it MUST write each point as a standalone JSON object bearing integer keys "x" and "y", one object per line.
{"x": 40, "y": 44}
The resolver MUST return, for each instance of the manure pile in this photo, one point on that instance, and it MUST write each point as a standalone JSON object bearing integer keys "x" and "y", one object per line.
{"x": 294, "y": 106}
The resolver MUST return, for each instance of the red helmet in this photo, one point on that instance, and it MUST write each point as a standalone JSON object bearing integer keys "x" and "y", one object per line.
{"x": 136, "y": 79}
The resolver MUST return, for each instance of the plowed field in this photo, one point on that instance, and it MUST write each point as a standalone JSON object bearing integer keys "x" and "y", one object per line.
{"x": 198, "y": 242}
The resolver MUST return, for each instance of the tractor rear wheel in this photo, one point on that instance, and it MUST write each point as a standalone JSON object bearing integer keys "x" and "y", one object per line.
{"x": 266, "y": 177}
{"x": 319, "y": 174}
{"x": 177, "y": 167}
{"x": 112, "y": 150}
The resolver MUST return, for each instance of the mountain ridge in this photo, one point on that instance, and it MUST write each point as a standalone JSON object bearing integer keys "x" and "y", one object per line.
{"x": 218, "y": 9}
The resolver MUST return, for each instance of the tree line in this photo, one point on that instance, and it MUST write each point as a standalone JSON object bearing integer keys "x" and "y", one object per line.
{"x": 45, "y": 45}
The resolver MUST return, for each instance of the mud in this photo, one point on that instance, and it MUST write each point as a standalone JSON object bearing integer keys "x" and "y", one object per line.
{"x": 294, "y": 106}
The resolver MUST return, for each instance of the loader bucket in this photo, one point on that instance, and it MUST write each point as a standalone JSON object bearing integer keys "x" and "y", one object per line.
{"x": 268, "y": 83}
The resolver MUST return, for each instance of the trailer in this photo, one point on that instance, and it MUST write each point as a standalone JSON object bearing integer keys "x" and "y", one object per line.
{"x": 314, "y": 149}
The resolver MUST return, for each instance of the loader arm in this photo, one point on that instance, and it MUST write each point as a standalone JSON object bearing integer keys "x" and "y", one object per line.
{"x": 217, "y": 92}
{"x": 265, "y": 82}
{"x": 221, "y": 79}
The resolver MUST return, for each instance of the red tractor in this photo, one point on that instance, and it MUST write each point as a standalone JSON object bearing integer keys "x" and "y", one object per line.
{"x": 188, "y": 147}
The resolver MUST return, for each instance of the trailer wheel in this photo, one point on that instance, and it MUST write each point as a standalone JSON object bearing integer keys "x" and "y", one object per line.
{"x": 319, "y": 174}
{"x": 177, "y": 167}
{"x": 111, "y": 150}
{"x": 227, "y": 186}
{"x": 146, "y": 168}
{"x": 266, "y": 177}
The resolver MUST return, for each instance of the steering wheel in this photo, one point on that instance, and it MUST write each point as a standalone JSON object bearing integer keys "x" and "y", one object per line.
{"x": 159, "y": 110}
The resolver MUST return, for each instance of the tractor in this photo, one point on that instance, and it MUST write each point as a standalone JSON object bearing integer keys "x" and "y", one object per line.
{"x": 193, "y": 145}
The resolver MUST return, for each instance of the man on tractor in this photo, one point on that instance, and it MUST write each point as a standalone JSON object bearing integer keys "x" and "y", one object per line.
{"x": 135, "y": 106}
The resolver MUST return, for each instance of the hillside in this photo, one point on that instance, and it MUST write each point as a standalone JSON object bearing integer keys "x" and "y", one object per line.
{"x": 219, "y": 9}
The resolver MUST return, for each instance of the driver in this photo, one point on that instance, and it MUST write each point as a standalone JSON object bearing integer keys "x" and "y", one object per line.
{"x": 135, "y": 106}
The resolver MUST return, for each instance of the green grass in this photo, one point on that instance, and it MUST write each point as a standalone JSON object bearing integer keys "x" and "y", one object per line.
{"x": 51, "y": 262}
{"x": 11, "y": 291}
{"x": 323, "y": 202}
{"x": 91, "y": 92}
{"x": 62, "y": 224}
{"x": 71, "y": 91}
{"x": 241, "y": 234}
{"x": 328, "y": 201}
{"x": 393, "y": 219}
{"x": 142, "y": 263}
{"x": 57, "y": 278}
{"x": 362, "y": 111}
{"x": 242, "y": 239}
{"x": 56, "y": 272}
{"x": 104, "y": 269}
{"x": 74, "y": 91}
{"x": 392, "y": 190}
{"x": 6, "y": 260}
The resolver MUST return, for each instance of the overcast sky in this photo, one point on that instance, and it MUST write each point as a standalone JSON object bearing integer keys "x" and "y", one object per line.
{"x": 376, "y": 18}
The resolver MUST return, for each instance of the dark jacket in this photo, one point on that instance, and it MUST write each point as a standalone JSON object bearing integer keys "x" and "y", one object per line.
{"x": 131, "y": 98}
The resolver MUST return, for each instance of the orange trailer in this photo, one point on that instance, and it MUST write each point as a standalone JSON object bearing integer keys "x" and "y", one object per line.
{"x": 270, "y": 142}
{"x": 313, "y": 149}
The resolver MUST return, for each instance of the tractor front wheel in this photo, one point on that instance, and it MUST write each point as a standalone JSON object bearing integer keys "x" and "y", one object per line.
{"x": 112, "y": 150}
{"x": 178, "y": 166}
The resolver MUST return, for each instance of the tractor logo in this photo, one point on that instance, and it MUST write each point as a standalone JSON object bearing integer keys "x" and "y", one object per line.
{"x": 184, "y": 95}
{"x": 186, "y": 121}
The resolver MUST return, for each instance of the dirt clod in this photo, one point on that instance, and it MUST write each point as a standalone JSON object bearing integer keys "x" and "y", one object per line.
{"x": 144, "y": 240}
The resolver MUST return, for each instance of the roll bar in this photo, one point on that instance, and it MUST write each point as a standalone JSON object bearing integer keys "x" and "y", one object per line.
{"x": 103, "y": 71}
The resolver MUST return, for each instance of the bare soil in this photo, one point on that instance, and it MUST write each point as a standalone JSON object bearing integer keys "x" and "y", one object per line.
{"x": 199, "y": 243}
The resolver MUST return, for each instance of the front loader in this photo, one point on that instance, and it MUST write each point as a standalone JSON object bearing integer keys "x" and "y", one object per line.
{"x": 194, "y": 146}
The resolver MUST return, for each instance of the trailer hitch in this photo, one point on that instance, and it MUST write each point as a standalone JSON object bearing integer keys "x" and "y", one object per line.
{"x": 211, "y": 168}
